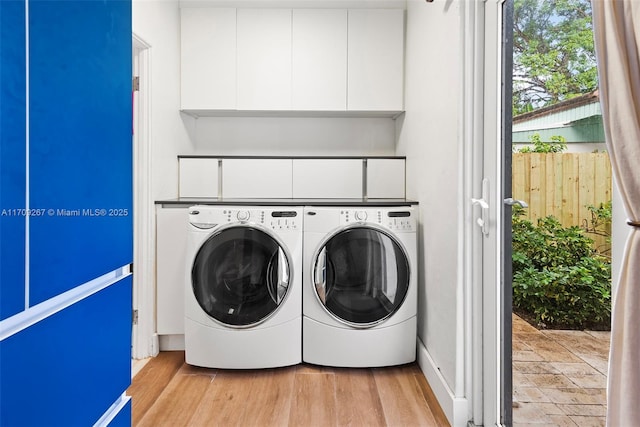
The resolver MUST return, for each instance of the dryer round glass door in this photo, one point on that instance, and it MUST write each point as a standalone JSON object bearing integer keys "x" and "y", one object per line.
{"x": 240, "y": 276}
{"x": 361, "y": 276}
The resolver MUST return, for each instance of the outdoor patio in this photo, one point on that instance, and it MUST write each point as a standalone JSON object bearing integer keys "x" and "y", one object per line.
{"x": 559, "y": 376}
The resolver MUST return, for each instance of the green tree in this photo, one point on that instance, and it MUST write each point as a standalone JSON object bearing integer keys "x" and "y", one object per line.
{"x": 553, "y": 52}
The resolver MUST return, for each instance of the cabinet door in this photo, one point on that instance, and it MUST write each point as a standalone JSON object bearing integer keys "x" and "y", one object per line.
{"x": 264, "y": 59}
{"x": 375, "y": 60}
{"x": 13, "y": 158}
{"x": 198, "y": 177}
{"x": 385, "y": 179}
{"x": 72, "y": 367}
{"x": 256, "y": 178}
{"x": 80, "y": 157}
{"x": 327, "y": 178}
{"x": 171, "y": 268}
{"x": 208, "y": 58}
{"x": 319, "y": 59}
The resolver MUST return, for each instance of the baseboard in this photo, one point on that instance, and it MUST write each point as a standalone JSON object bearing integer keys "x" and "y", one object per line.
{"x": 171, "y": 342}
{"x": 455, "y": 408}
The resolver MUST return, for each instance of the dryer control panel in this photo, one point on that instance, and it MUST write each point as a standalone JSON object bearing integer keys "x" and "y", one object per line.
{"x": 399, "y": 219}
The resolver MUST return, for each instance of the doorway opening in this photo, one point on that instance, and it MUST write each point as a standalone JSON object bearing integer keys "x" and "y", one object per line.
{"x": 144, "y": 340}
{"x": 561, "y": 278}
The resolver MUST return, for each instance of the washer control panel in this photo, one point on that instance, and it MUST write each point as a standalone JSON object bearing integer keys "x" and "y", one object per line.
{"x": 284, "y": 219}
{"x": 396, "y": 219}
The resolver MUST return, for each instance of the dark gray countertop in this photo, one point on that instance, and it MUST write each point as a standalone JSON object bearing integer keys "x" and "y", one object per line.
{"x": 286, "y": 202}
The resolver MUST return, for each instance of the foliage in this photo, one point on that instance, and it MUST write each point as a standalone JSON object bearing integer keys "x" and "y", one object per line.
{"x": 557, "y": 144}
{"x": 600, "y": 225}
{"x": 553, "y": 52}
{"x": 558, "y": 279}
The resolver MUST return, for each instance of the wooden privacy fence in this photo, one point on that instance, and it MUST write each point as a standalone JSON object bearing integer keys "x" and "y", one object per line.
{"x": 562, "y": 185}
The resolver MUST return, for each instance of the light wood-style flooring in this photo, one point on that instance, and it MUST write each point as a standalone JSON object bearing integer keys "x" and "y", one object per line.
{"x": 168, "y": 392}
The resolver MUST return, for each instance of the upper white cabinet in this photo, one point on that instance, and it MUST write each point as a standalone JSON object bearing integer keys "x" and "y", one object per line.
{"x": 376, "y": 59}
{"x": 208, "y": 58}
{"x": 246, "y": 60}
{"x": 319, "y": 59}
{"x": 264, "y": 59}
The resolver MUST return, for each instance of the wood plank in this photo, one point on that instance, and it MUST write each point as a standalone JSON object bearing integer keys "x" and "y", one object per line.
{"x": 402, "y": 397}
{"x": 175, "y": 406}
{"x": 586, "y": 188}
{"x": 314, "y": 402}
{"x": 602, "y": 194}
{"x": 224, "y": 401}
{"x": 557, "y": 183}
{"x": 567, "y": 190}
{"x": 518, "y": 176}
{"x": 537, "y": 187}
{"x": 269, "y": 402}
{"x": 549, "y": 184}
{"x": 527, "y": 184}
{"x": 307, "y": 368}
{"x": 430, "y": 398}
{"x": 150, "y": 382}
{"x": 357, "y": 399}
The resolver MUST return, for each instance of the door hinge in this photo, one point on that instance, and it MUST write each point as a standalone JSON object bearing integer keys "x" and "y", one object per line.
{"x": 136, "y": 83}
{"x": 134, "y": 317}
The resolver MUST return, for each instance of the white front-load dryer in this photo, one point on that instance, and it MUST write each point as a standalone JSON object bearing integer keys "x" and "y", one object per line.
{"x": 359, "y": 286}
{"x": 243, "y": 293}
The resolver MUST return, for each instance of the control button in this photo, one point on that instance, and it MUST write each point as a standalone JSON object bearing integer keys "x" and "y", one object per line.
{"x": 361, "y": 215}
{"x": 243, "y": 215}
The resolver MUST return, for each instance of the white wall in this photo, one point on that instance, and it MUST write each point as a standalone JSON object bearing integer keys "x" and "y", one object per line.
{"x": 429, "y": 137}
{"x": 157, "y": 22}
{"x": 294, "y": 136}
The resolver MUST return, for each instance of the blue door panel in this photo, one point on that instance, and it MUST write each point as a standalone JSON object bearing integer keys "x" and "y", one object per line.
{"x": 12, "y": 157}
{"x": 68, "y": 369}
{"x": 80, "y": 142}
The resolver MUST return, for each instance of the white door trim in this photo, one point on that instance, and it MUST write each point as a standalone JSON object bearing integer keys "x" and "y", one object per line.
{"x": 490, "y": 261}
{"x": 483, "y": 160}
{"x": 144, "y": 339}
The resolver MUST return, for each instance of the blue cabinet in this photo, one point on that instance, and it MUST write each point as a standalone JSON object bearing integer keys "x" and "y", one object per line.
{"x": 66, "y": 204}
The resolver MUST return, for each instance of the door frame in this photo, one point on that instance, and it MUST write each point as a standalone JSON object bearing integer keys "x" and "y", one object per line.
{"x": 144, "y": 338}
{"x": 490, "y": 322}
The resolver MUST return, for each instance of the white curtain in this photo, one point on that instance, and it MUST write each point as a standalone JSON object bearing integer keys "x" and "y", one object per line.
{"x": 616, "y": 26}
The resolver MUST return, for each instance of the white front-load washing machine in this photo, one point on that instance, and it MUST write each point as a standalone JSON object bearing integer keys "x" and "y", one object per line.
{"x": 243, "y": 293}
{"x": 359, "y": 286}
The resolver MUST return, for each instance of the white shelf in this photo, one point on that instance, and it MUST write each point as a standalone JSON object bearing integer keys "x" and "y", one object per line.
{"x": 292, "y": 113}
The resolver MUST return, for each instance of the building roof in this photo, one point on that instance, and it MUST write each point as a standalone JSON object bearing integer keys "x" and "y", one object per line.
{"x": 578, "y": 119}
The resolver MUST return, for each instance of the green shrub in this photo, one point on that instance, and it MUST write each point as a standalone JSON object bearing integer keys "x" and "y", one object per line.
{"x": 556, "y": 144}
{"x": 559, "y": 281}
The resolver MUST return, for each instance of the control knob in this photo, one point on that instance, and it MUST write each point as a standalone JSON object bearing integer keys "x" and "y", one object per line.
{"x": 361, "y": 215}
{"x": 243, "y": 215}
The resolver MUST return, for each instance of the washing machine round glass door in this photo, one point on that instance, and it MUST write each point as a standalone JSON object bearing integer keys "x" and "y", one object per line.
{"x": 361, "y": 275}
{"x": 241, "y": 275}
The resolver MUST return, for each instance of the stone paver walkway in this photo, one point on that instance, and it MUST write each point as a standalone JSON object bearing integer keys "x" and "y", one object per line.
{"x": 559, "y": 376}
